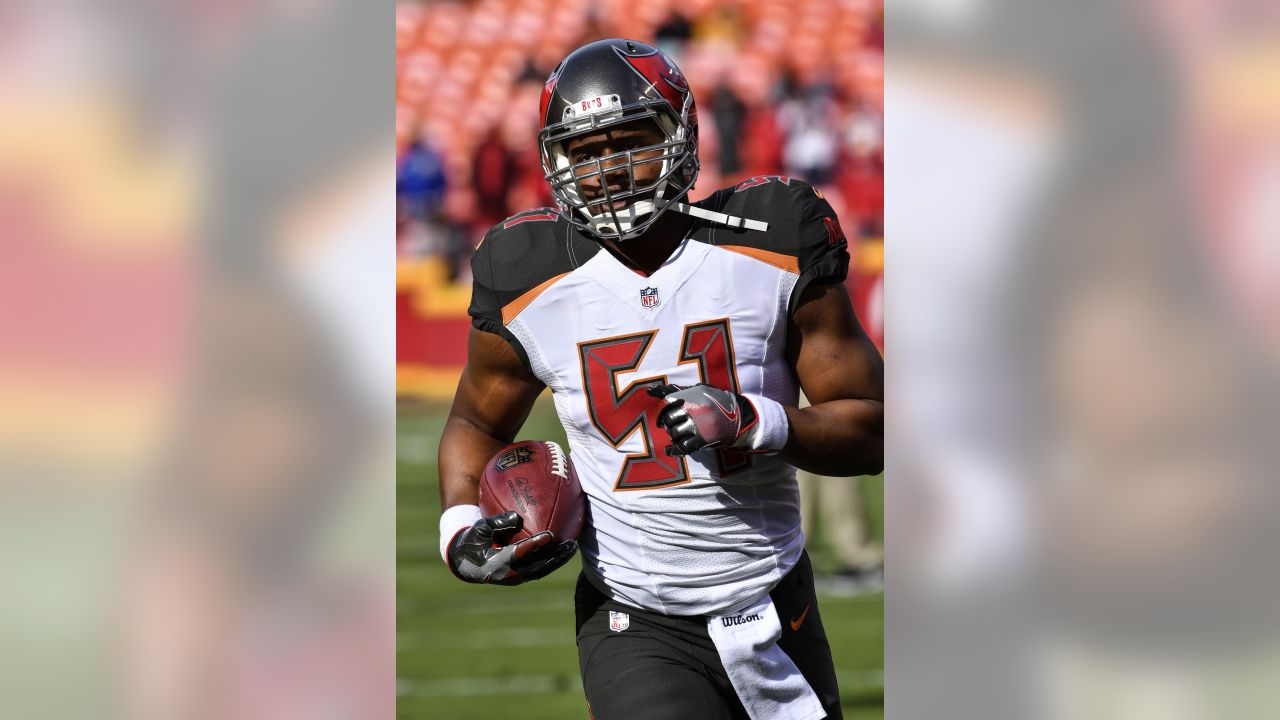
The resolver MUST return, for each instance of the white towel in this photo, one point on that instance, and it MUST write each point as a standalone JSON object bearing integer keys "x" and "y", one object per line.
{"x": 766, "y": 680}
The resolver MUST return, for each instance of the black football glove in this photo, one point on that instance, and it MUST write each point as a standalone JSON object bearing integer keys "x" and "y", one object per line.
{"x": 702, "y": 416}
{"x": 480, "y": 553}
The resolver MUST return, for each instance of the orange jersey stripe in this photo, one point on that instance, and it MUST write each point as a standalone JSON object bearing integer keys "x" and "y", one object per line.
{"x": 778, "y": 260}
{"x": 513, "y": 308}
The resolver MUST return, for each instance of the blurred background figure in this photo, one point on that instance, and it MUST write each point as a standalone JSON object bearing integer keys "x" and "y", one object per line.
{"x": 492, "y": 175}
{"x": 420, "y": 193}
{"x": 838, "y": 526}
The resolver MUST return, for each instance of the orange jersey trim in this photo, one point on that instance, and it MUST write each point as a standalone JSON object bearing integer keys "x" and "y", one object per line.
{"x": 778, "y": 260}
{"x": 513, "y": 308}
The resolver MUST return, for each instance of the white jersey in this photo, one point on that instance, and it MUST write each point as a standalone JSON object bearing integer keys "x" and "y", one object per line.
{"x": 696, "y": 535}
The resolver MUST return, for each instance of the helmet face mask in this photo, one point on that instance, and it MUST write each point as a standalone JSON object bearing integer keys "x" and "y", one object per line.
{"x": 618, "y": 87}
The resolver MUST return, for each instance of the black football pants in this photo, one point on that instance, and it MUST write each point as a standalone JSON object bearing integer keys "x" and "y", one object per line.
{"x": 664, "y": 667}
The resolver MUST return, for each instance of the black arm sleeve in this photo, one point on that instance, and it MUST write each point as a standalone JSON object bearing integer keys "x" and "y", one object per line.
{"x": 823, "y": 249}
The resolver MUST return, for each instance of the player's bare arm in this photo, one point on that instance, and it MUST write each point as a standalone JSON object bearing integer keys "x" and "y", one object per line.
{"x": 494, "y": 398}
{"x": 839, "y": 369}
{"x": 842, "y": 431}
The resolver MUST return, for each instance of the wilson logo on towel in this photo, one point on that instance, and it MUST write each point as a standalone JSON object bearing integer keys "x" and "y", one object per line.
{"x": 740, "y": 619}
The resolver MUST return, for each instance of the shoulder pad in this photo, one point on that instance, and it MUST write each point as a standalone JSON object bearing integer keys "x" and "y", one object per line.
{"x": 804, "y": 234}
{"x": 518, "y": 256}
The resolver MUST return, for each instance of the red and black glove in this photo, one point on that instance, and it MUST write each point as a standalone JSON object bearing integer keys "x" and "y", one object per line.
{"x": 701, "y": 416}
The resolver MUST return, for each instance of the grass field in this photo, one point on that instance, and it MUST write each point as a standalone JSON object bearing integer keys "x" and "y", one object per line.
{"x": 471, "y": 651}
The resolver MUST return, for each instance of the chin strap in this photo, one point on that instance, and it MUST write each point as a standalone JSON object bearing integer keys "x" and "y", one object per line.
{"x": 732, "y": 221}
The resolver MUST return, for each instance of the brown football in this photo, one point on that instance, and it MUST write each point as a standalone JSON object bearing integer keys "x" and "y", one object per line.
{"x": 535, "y": 479}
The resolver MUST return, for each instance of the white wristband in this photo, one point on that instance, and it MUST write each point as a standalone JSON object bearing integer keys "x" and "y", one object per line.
{"x": 770, "y": 432}
{"x": 454, "y": 519}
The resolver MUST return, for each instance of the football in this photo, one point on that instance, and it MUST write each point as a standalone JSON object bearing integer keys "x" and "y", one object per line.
{"x": 535, "y": 479}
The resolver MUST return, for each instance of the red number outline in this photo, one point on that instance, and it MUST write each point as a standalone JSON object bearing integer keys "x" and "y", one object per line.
{"x": 728, "y": 462}
{"x": 645, "y": 421}
{"x": 710, "y": 371}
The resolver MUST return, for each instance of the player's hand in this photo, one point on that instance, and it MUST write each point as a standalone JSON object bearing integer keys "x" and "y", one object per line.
{"x": 702, "y": 416}
{"x": 480, "y": 553}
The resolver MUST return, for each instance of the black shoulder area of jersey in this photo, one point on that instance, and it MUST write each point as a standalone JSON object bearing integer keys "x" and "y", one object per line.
{"x": 804, "y": 232}
{"x": 517, "y": 256}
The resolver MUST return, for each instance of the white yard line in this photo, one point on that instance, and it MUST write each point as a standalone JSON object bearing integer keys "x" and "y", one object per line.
{"x": 558, "y": 684}
{"x": 496, "y": 638}
{"x": 488, "y": 686}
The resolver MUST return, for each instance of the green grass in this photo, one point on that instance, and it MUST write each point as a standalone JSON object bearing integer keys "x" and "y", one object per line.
{"x": 477, "y": 652}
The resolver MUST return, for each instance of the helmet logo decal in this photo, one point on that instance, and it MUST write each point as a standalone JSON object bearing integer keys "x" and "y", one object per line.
{"x": 657, "y": 70}
{"x": 547, "y": 91}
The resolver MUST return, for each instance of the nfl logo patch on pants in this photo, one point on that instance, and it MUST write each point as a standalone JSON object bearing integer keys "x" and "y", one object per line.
{"x": 619, "y": 621}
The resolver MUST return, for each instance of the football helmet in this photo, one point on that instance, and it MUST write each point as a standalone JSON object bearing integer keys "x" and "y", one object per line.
{"x": 605, "y": 84}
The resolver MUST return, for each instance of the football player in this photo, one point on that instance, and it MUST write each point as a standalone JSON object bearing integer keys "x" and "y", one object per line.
{"x": 675, "y": 337}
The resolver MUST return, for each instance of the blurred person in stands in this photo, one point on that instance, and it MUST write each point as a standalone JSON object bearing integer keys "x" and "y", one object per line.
{"x": 811, "y": 141}
{"x": 529, "y": 185}
{"x": 762, "y": 139}
{"x": 861, "y": 173}
{"x": 673, "y": 33}
{"x": 729, "y": 112}
{"x": 835, "y": 516}
{"x": 420, "y": 192}
{"x": 493, "y": 170}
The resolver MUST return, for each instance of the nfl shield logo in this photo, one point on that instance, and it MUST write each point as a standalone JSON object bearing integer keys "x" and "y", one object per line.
{"x": 619, "y": 621}
{"x": 649, "y": 297}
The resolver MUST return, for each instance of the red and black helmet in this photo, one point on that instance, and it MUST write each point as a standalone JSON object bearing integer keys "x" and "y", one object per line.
{"x": 608, "y": 83}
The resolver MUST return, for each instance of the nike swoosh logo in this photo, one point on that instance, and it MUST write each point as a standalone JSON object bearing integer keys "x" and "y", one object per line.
{"x": 733, "y": 416}
{"x": 796, "y": 622}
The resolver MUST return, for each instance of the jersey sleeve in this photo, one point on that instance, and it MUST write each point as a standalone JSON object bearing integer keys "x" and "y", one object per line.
{"x": 515, "y": 261}
{"x": 486, "y": 306}
{"x": 493, "y": 286}
{"x": 821, "y": 247}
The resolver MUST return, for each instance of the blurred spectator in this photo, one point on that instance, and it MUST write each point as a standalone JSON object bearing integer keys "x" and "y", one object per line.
{"x": 420, "y": 182}
{"x": 864, "y": 130}
{"x": 728, "y": 112}
{"x": 812, "y": 144}
{"x": 861, "y": 185}
{"x": 493, "y": 171}
{"x": 835, "y": 517}
{"x": 762, "y": 140}
{"x": 673, "y": 34}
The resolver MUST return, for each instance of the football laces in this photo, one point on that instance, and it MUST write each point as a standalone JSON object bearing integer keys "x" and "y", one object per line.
{"x": 559, "y": 465}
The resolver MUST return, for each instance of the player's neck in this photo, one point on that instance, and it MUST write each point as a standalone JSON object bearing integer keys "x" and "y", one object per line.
{"x": 647, "y": 253}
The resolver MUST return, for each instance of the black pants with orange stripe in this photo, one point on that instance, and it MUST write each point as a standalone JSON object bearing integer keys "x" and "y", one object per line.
{"x": 663, "y": 667}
